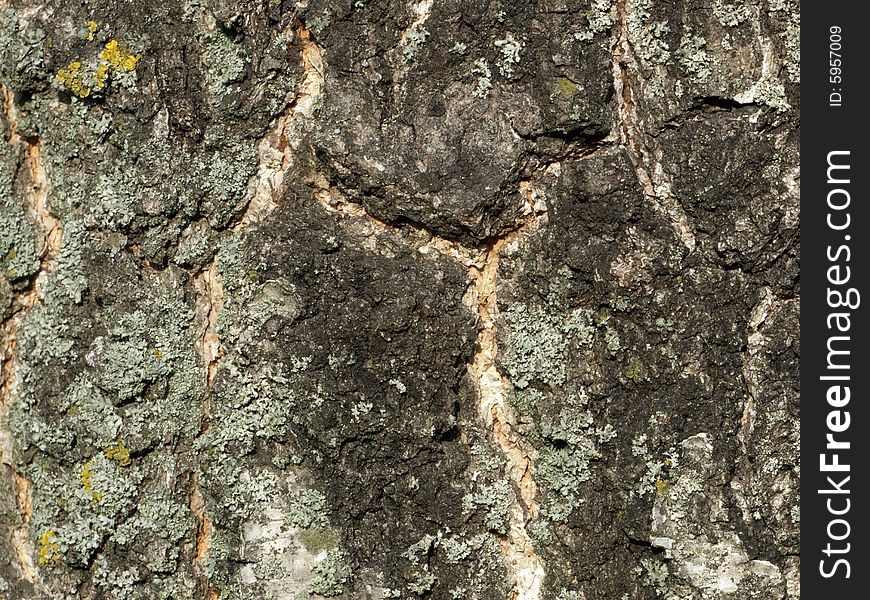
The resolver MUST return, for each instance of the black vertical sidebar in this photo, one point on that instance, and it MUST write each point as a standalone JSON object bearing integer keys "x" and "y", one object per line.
{"x": 835, "y": 227}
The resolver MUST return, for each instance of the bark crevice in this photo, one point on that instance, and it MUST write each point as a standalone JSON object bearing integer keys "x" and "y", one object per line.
{"x": 647, "y": 167}
{"x": 526, "y": 567}
{"x": 48, "y": 238}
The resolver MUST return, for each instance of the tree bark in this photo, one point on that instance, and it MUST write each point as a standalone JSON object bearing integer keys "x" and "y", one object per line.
{"x": 385, "y": 299}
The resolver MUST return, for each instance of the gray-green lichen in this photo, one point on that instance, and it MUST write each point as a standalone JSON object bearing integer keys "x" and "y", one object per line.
{"x": 308, "y": 508}
{"x": 554, "y": 412}
{"x": 484, "y": 78}
{"x": 495, "y": 501}
{"x": 127, "y": 392}
{"x": 18, "y": 243}
{"x": 731, "y": 15}
{"x": 225, "y": 61}
{"x": 600, "y": 16}
{"x": 413, "y": 41}
{"x": 539, "y": 341}
{"x": 572, "y": 442}
{"x": 509, "y": 47}
{"x": 330, "y": 574}
{"x": 787, "y": 12}
{"x": 647, "y": 36}
{"x": 694, "y": 57}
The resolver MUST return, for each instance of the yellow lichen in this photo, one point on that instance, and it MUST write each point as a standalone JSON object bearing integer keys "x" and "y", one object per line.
{"x": 49, "y": 549}
{"x": 661, "y": 487}
{"x": 92, "y": 29}
{"x": 86, "y": 483}
{"x": 94, "y": 78}
{"x": 567, "y": 87}
{"x": 72, "y": 78}
{"x": 635, "y": 371}
{"x": 119, "y": 454}
{"x": 101, "y": 76}
{"x": 119, "y": 57}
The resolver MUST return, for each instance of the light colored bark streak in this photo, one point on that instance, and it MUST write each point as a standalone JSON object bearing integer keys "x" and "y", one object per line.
{"x": 421, "y": 11}
{"x": 754, "y": 345}
{"x": 525, "y": 565}
{"x": 424, "y": 241}
{"x": 276, "y": 151}
{"x": 277, "y": 148}
{"x": 49, "y": 239}
{"x": 649, "y": 172}
{"x": 209, "y": 301}
{"x": 36, "y": 197}
{"x": 19, "y": 534}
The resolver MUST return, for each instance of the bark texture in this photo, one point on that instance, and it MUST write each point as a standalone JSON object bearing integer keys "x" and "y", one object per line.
{"x": 448, "y": 299}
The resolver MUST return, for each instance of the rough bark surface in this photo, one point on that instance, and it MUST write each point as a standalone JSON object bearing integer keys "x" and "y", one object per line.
{"x": 448, "y": 299}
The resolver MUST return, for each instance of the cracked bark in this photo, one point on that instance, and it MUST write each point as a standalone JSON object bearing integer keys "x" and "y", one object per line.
{"x": 277, "y": 148}
{"x": 399, "y": 300}
{"x": 202, "y": 540}
{"x": 49, "y": 237}
{"x": 525, "y": 567}
{"x": 649, "y": 172}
